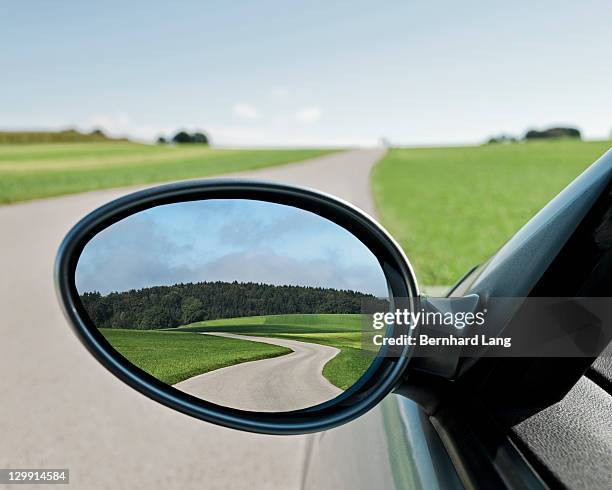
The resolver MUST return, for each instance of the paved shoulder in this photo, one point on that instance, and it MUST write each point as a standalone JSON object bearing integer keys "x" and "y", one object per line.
{"x": 280, "y": 384}
{"x": 344, "y": 174}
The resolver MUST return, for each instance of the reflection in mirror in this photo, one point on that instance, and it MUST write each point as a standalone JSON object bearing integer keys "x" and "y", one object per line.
{"x": 247, "y": 304}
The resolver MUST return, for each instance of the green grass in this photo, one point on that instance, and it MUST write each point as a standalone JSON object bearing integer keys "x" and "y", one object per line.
{"x": 175, "y": 356}
{"x": 269, "y": 324}
{"x": 341, "y": 331}
{"x": 31, "y": 171}
{"x": 451, "y": 208}
{"x": 180, "y": 353}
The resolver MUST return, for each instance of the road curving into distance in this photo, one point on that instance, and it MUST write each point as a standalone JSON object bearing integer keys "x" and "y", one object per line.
{"x": 269, "y": 385}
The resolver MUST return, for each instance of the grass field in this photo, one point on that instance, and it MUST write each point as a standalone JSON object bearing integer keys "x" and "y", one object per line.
{"x": 269, "y": 324}
{"x": 31, "y": 171}
{"x": 451, "y": 208}
{"x": 341, "y": 331}
{"x": 175, "y": 356}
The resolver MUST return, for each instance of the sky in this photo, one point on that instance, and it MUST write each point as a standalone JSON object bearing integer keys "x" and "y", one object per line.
{"x": 227, "y": 240}
{"x": 317, "y": 73}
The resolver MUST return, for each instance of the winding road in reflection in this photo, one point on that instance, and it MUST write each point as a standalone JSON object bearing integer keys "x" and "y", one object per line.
{"x": 289, "y": 382}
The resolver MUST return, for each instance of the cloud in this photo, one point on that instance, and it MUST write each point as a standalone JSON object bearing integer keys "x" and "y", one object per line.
{"x": 281, "y": 132}
{"x": 137, "y": 267}
{"x": 245, "y": 111}
{"x": 264, "y": 265}
{"x": 308, "y": 114}
{"x": 280, "y": 93}
{"x": 117, "y": 260}
{"x": 113, "y": 123}
{"x": 121, "y": 125}
{"x": 246, "y": 232}
{"x": 150, "y": 249}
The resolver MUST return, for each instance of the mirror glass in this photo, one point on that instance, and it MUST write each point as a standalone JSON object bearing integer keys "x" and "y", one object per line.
{"x": 247, "y": 304}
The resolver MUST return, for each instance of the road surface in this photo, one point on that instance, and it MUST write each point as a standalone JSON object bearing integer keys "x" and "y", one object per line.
{"x": 269, "y": 385}
{"x": 61, "y": 409}
{"x": 346, "y": 175}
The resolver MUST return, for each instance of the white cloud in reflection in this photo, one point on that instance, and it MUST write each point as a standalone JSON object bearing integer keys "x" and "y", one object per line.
{"x": 227, "y": 240}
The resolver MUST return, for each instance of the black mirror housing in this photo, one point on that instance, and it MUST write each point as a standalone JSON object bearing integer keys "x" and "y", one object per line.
{"x": 381, "y": 378}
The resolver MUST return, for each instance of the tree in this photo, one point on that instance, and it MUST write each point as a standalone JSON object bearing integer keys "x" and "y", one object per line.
{"x": 98, "y": 132}
{"x": 191, "y": 310}
{"x": 161, "y": 140}
{"x": 553, "y": 133}
{"x": 180, "y": 304}
{"x": 182, "y": 137}
{"x": 502, "y": 138}
{"x": 199, "y": 138}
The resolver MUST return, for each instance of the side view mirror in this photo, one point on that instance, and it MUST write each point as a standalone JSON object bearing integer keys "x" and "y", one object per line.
{"x": 246, "y": 304}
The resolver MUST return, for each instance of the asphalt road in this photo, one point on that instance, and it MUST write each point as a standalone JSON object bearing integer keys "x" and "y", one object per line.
{"x": 280, "y": 384}
{"x": 61, "y": 409}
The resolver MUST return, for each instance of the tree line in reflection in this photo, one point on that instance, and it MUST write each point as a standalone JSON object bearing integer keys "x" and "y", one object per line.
{"x": 181, "y": 304}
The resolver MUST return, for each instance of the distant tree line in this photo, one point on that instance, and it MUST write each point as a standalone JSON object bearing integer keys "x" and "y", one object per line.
{"x": 552, "y": 133}
{"x": 502, "y": 138}
{"x": 65, "y": 136}
{"x": 534, "y": 134}
{"x": 183, "y": 137}
{"x": 172, "y": 306}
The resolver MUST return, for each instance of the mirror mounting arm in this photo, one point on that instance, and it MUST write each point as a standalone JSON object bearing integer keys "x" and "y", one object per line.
{"x": 443, "y": 360}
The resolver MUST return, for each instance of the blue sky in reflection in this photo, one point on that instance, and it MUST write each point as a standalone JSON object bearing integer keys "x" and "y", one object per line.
{"x": 227, "y": 240}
